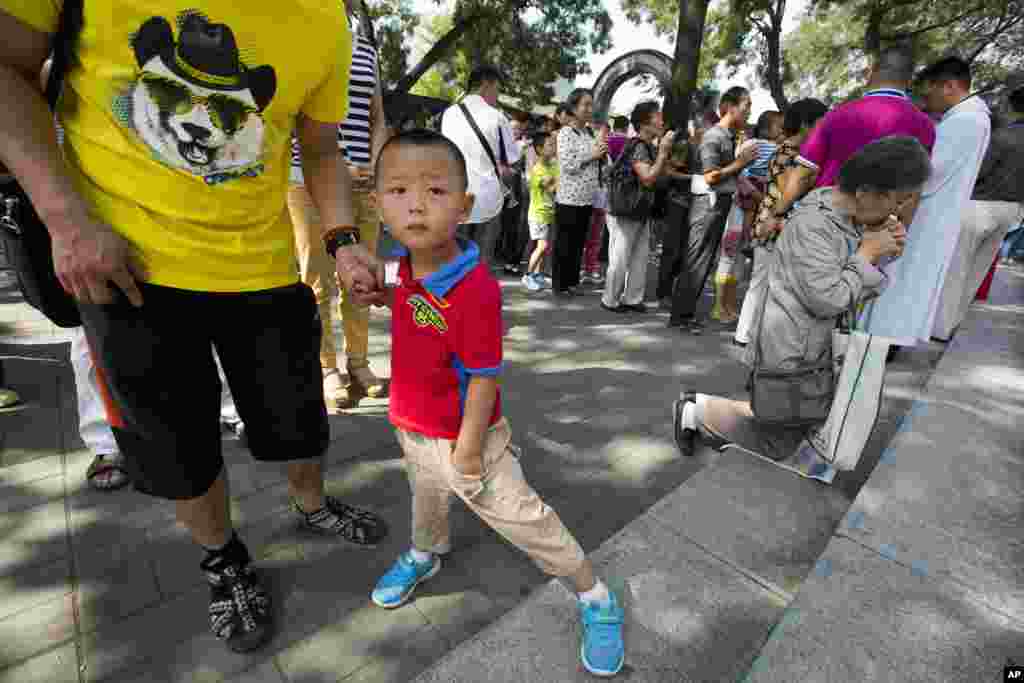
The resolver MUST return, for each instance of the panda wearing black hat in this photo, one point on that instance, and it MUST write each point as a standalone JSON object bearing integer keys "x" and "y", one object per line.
{"x": 194, "y": 103}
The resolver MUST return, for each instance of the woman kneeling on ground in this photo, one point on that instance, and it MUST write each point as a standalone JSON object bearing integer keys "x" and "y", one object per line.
{"x": 825, "y": 263}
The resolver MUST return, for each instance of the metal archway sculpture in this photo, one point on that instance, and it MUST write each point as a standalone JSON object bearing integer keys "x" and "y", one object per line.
{"x": 659, "y": 65}
{"x": 624, "y": 68}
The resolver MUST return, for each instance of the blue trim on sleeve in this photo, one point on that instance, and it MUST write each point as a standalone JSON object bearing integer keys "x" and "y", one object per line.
{"x": 483, "y": 372}
{"x": 465, "y": 374}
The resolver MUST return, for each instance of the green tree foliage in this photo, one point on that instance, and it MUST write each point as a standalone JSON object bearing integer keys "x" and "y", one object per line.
{"x": 830, "y": 50}
{"x": 532, "y": 41}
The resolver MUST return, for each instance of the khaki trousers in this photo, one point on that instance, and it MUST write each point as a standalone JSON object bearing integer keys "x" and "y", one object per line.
{"x": 317, "y": 270}
{"x": 501, "y": 497}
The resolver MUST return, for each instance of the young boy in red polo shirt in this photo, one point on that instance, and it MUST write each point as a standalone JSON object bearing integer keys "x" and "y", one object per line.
{"x": 445, "y": 404}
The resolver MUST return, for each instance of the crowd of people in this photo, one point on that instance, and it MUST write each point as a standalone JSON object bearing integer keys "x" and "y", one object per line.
{"x": 208, "y": 221}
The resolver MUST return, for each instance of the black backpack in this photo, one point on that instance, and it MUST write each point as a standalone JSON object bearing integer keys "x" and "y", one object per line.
{"x": 627, "y": 196}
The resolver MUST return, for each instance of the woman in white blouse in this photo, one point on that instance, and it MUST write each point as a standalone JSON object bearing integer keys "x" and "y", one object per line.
{"x": 579, "y": 156}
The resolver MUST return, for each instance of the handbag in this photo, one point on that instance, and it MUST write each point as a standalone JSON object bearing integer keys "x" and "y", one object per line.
{"x": 627, "y": 196}
{"x": 858, "y": 398}
{"x": 27, "y": 242}
{"x": 800, "y": 397}
{"x": 510, "y": 199}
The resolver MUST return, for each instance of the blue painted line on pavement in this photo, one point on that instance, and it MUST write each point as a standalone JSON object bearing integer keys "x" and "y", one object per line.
{"x": 919, "y": 568}
{"x": 823, "y": 568}
{"x": 888, "y": 456}
{"x": 855, "y": 520}
{"x": 888, "y": 551}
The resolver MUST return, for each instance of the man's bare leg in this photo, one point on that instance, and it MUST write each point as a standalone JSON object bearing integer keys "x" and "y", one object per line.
{"x": 208, "y": 517}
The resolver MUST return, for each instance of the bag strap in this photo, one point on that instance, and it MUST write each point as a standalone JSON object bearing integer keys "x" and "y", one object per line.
{"x": 63, "y": 47}
{"x": 483, "y": 140}
{"x": 764, "y": 304}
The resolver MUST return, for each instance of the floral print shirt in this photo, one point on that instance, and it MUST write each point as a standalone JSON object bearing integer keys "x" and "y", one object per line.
{"x": 579, "y": 174}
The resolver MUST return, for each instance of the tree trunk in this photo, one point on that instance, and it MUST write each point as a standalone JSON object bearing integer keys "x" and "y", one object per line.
{"x": 435, "y": 53}
{"x": 773, "y": 69}
{"x": 689, "y": 37}
{"x": 873, "y": 33}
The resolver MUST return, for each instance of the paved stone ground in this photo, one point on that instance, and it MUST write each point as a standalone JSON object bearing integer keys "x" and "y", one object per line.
{"x": 747, "y": 572}
{"x": 105, "y": 587}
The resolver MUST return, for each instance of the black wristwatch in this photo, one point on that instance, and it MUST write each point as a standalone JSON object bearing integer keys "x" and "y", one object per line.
{"x": 336, "y": 238}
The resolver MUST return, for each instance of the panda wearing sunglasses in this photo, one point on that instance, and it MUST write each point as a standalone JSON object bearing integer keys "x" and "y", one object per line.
{"x": 194, "y": 103}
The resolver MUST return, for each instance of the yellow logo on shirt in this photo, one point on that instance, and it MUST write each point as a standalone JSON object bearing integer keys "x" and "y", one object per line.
{"x": 425, "y": 315}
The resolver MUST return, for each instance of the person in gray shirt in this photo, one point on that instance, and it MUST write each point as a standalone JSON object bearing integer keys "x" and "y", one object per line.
{"x": 713, "y": 195}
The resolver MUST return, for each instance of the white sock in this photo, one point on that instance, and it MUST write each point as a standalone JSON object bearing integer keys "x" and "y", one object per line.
{"x": 421, "y": 557}
{"x": 689, "y": 416}
{"x": 599, "y": 593}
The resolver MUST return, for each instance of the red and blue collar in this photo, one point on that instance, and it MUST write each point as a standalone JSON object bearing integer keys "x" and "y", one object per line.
{"x": 444, "y": 279}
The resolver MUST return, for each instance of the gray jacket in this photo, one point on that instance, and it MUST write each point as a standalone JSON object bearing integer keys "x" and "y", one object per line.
{"x": 816, "y": 274}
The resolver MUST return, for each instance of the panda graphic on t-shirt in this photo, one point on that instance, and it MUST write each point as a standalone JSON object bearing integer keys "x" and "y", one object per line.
{"x": 194, "y": 103}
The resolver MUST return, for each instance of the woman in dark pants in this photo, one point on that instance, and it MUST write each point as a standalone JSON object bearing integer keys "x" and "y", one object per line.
{"x": 579, "y": 157}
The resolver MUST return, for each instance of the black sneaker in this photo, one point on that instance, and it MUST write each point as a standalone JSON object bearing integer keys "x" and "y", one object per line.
{"x": 684, "y": 437}
{"x": 692, "y": 326}
{"x": 239, "y": 606}
{"x": 636, "y": 308}
{"x": 614, "y": 309}
{"x": 353, "y": 524}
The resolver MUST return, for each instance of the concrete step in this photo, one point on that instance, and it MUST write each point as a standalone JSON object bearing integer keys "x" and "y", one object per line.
{"x": 925, "y": 575}
{"x": 739, "y": 573}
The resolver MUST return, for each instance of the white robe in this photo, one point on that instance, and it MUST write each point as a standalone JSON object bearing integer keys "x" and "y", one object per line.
{"x": 905, "y": 312}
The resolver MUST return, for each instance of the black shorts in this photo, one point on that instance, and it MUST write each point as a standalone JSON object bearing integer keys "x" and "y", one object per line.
{"x": 162, "y": 390}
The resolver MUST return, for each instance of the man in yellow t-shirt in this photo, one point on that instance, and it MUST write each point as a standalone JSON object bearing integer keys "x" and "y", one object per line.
{"x": 169, "y": 225}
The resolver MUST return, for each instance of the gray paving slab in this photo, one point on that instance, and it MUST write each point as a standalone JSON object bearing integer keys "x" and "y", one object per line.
{"x": 56, "y": 666}
{"x": 36, "y": 629}
{"x": 113, "y": 582}
{"x": 267, "y": 672}
{"x": 30, "y": 434}
{"x": 34, "y": 586}
{"x": 690, "y": 617}
{"x": 863, "y": 617}
{"x": 33, "y": 537}
{"x": 756, "y": 516}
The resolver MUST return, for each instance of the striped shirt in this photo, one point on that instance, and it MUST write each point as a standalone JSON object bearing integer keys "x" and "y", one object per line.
{"x": 759, "y": 167}
{"x": 354, "y": 132}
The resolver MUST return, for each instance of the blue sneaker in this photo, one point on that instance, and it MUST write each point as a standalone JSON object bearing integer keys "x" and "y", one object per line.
{"x": 397, "y": 585}
{"x": 602, "y": 650}
{"x": 530, "y": 282}
{"x": 542, "y": 281}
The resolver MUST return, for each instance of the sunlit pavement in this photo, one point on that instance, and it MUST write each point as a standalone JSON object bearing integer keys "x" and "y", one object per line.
{"x": 98, "y": 586}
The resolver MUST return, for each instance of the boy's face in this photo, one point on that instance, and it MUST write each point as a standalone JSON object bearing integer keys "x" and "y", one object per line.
{"x": 421, "y": 195}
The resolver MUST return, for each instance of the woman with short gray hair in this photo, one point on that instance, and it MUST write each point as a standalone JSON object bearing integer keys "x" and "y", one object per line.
{"x": 825, "y": 264}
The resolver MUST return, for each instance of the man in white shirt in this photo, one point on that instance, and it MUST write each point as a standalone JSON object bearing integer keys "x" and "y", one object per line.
{"x": 484, "y": 224}
{"x": 907, "y": 310}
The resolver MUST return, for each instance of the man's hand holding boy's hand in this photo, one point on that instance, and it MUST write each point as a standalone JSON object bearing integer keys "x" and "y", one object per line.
{"x": 362, "y": 275}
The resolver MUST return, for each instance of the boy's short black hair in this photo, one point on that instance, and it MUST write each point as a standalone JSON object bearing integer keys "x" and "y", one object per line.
{"x": 643, "y": 112}
{"x": 421, "y": 137}
{"x": 948, "y": 69}
{"x": 538, "y": 139}
{"x": 620, "y": 123}
{"x": 801, "y": 114}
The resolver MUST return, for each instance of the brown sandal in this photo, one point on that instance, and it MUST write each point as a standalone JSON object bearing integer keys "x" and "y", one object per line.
{"x": 107, "y": 463}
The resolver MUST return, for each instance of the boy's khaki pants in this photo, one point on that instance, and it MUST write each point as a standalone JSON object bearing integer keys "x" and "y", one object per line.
{"x": 501, "y": 497}
{"x": 317, "y": 269}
